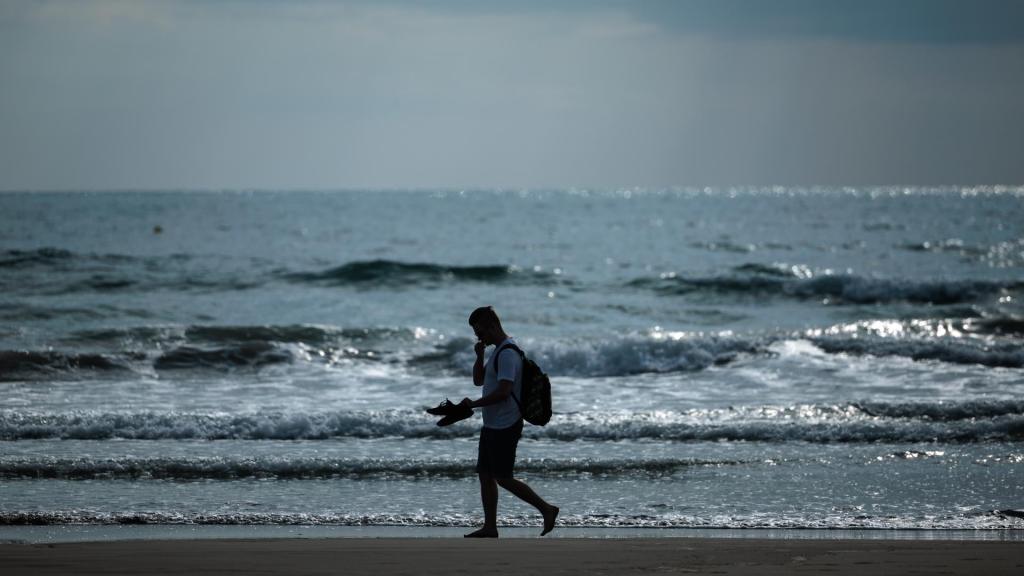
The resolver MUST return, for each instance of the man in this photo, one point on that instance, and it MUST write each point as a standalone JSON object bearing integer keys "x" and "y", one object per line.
{"x": 503, "y": 422}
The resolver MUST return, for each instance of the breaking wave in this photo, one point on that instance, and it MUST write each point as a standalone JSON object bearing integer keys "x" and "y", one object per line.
{"x": 997, "y": 326}
{"x": 954, "y": 351}
{"x": 57, "y": 271}
{"x": 306, "y": 334}
{"x": 251, "y": 355}
{"x": 753, "y": 280}
{"x": 198, "y": 347}
{"x": 17, "y": 365}
{"x": 389, "y": 273}
{"x": 989, "y": 342}
{"x": 981, "y": 520}
{"x": 43, "y": 257}
{"x": 847, "y": 423}
{"x": 222, "y": 468}
{"x": 986, "y": 341}
{"x": 601, "y": 357}
{"x": 53, "y": 271}
{"x": 1006, "y": 254}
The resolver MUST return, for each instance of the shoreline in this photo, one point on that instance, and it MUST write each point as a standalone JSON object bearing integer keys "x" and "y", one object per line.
{"x": 72, "y": 533}
{"x": 387, "y": 556}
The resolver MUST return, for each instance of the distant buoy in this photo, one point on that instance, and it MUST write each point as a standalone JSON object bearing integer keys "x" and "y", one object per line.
{"x": 158, "y": 229}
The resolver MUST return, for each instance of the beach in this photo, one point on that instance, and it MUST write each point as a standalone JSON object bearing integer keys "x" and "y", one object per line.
{"x": 388, "y": 556}
{"x": 760, "y": 266}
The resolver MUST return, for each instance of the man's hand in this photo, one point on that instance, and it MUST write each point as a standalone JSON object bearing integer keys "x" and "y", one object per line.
{"x": 466, "y": 402}
{"x": 478, "y": 366}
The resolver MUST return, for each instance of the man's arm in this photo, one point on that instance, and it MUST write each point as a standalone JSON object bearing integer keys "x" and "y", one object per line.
{"x": 503, "y": 391}
{"x": 508, "y": 374}
{"x": 478, "y": 366}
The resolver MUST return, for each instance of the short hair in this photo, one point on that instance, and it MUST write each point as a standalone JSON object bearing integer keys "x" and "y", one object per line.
{"x": 484, "y": 314}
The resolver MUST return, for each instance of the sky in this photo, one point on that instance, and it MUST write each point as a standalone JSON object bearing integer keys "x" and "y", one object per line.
{"x": 321, "y": 94}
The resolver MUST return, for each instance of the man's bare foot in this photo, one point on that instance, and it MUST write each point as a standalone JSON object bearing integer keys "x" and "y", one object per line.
{"x": 549, "y": 519}
{"x": 483, "y": 533}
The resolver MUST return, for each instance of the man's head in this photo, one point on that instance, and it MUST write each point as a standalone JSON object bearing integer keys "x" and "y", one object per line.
{"x": 486, "y": 325}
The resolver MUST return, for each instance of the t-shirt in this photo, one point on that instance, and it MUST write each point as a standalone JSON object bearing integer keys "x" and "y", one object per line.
{"x": 503, "y": 414}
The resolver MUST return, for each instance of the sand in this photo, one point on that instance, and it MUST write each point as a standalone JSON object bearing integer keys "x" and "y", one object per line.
{"x": 448, "y": 556}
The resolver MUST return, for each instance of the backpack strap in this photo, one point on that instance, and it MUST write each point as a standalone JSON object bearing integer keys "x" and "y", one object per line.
{"x": 497, "y": 354}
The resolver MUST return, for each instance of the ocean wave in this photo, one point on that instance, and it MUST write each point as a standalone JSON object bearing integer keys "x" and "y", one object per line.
{"x": 982, "y": 520}
{"x": 59, "y": 272}
{"x": 40, "y": 256}
{"x": 653, "y": 352}
{"x": 50, "y": 258}
{"x": 220, "y": 426}
{"x": 987, "y": 341}
{"x": 19, "y": 364}
{"x": 19, "y": 312}
{"x": 754, "y": 280}
{"x": 846, "y": 423}
{"x": 819, "y": 424}
{"x": 1006, "y": 254}
{"x": 218, "y": 347}
{"x": 55, "y": 271}
{"x": 951, "y": 350}
{"x": 16, "y": 365}
{"x": 205, "y": 347}
{"x": 996, "y": 325}
{"x": 222, "y": 468}
{"x": 737, "y": 248}
{"x": 214, "y": 334}
{"x": 297, "y": 333}
{"x": 954, "y": 245}
{"x": 389, "y": 273}
{"x": 253, "y": 355}
{"x": 943, "y": 411}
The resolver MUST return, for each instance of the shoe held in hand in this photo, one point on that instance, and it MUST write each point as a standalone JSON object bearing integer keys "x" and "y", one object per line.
{"x": 458, "y": 412}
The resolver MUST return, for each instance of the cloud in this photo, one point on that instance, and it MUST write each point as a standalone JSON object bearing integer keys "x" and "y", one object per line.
{"x": 909, "y": 21}
{"x": 902, "y": 21}
{"x": 319, "y": 94}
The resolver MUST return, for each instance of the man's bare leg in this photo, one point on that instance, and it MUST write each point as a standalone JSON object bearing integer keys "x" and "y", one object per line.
{"x": 523, "y": 491}
{"x": 489, "y": 498}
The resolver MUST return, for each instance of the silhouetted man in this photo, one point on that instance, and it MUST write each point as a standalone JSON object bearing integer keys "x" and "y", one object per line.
{"x": 503, "y": 422}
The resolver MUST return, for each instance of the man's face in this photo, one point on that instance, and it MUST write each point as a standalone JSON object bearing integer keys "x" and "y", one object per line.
{"x": 480, "y": 329}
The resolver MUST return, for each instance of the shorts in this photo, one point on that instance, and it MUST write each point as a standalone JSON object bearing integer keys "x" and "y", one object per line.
{"x": 496, "y": 455}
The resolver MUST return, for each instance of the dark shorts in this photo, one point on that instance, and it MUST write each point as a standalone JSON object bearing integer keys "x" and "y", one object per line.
{"x": 497, "y": 452}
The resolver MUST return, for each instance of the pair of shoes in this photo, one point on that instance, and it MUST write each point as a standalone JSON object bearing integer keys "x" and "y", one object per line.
{"x": 443, "y": 409}
{"x": 452, "y": 412}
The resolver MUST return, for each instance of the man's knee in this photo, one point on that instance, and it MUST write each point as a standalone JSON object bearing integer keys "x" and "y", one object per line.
{"x": 485, "y": 478}
{"x": 505, "y": 482}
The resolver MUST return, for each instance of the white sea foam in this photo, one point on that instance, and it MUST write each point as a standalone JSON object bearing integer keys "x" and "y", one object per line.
{"x": 798, "y": 282}
{"x": 987, "y": 520}
{"x": 290, "y": 468}
{"x": 976, "y": 421}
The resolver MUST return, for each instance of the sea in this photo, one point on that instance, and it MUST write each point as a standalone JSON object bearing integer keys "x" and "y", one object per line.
{"x": 737, "y": 358}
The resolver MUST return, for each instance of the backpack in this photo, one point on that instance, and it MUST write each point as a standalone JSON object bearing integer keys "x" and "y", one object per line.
{"x": 536, "y": 389}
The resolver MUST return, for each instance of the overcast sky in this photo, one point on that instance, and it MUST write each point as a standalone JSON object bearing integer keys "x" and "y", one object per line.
{"x": 319, "y": 94}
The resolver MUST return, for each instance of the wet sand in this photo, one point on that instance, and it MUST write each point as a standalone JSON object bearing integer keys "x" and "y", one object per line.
{"x": 390, "y": 556}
